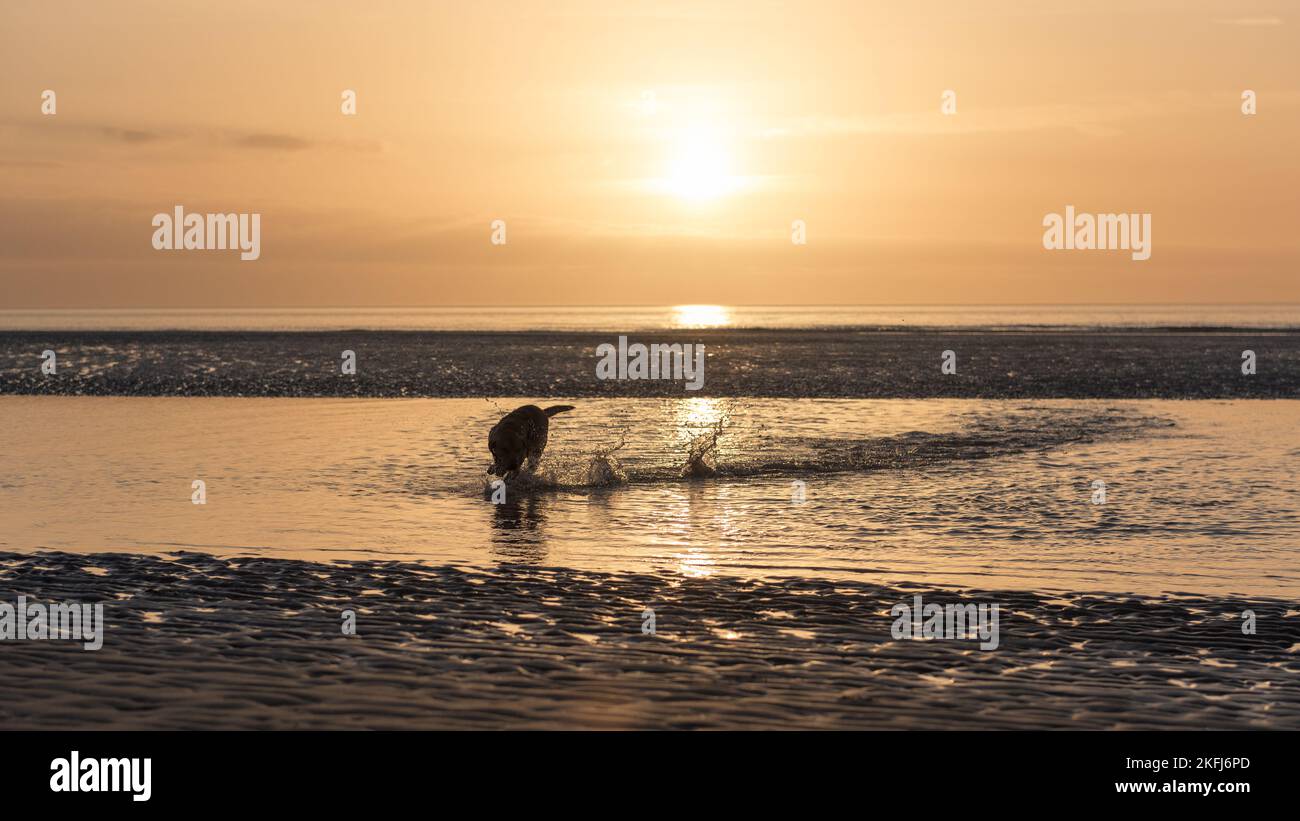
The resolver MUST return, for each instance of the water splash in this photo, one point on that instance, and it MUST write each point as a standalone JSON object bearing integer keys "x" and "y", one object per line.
{"x": 598, "y": 468}
{"x": 986, "y": 436}
{"x": 701, "y": 451}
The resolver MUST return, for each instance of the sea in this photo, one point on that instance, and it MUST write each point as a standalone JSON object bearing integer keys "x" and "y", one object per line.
{"x": 1114, "y": 449}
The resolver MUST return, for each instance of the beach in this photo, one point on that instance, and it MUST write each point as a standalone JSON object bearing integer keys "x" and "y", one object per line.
{"x": 1169, "y": 363}
{"x": 195, "y": 642}
{"x": 723, "y": 559}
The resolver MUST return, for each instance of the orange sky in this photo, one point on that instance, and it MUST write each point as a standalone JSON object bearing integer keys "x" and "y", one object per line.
{"x": 647, "y": 152}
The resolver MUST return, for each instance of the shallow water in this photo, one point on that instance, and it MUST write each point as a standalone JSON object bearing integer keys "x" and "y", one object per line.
{"x": 1201, "y": 496}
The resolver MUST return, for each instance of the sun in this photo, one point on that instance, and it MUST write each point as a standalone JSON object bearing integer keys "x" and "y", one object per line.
{"x": 699, "y": 165}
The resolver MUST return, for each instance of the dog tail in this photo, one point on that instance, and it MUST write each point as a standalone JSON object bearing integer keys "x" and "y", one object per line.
{"x": 554, "y": 409}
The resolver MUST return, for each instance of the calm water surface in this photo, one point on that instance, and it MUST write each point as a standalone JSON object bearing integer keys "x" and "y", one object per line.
{"x": 1200, "y": 496}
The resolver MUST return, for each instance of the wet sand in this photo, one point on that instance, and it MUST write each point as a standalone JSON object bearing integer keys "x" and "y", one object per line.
{"x": 1174, "y": 363}
{"x": 195, "y": 641}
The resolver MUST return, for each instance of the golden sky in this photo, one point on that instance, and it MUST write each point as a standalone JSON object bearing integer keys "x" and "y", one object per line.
{"x": 647, "y": 152}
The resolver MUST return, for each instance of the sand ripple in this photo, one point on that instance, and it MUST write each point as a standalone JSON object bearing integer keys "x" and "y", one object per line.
{"x": 195, "y": 641}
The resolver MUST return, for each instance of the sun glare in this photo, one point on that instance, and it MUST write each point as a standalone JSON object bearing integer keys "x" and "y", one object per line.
{"x": 699, "y": 166}
{"x": 700, "y": 316}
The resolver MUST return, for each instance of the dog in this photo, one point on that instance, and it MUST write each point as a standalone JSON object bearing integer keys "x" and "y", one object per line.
{"x": 519, "y": 436}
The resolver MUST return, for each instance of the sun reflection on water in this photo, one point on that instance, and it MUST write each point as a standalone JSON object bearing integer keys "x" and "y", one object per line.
{"x": 701, "y": 316}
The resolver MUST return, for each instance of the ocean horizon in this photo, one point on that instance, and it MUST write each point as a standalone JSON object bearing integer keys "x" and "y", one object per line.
{"x": 631, "y": 319}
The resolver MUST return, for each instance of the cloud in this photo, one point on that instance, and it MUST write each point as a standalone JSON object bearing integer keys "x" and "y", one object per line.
{"x": 57, "y": 127}
{"x": 47, "y": 128}
{"x": 131, "y": 135}
{"x": 288, "y": 142}
{"x": 274, "y": 142}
